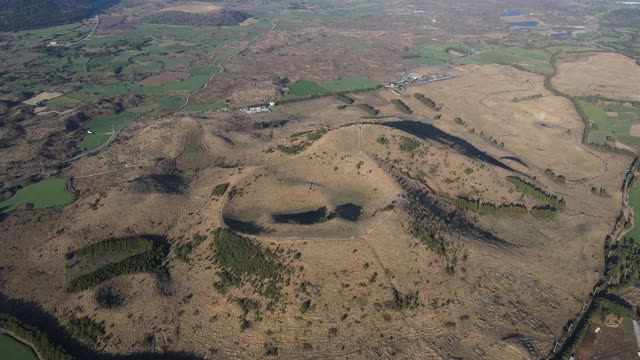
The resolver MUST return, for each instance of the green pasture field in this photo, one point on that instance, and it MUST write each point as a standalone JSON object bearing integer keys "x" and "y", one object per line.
{"x": 308, "y": 88}
{"x": 432, "y": 53}
{"x": 71, "y": 99}
{"x": 151, "y": 68}
{"x": 62, "y": 101}
{"x": 69, "y": 32}
{"x": 171, "y": 38}
{"x": 168, "y": 62}
{"x": 163, "y": 47}
{"x": 120, "y": 88}
{"x": 207, "y": 70}
{"x": 205, "y": 107}
{"x": 608, "y": 39}
{"x": 191, "y": 84}
{"x": 223, "y": 54}
{"x": 620, "y": 124}
{"x": 12, "y": 349}
{"x": 350, "y": 84}
{"x": 534, "y": 60}
{"x": 173, "y": 102}
{"x": 305, "y": 88}
{"x": 50, "y": 192}
{"x": 102, "y": 127}
{"x": 328, "y": 11}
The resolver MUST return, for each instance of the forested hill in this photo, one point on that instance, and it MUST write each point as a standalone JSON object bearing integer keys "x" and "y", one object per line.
{"x": 29, "y": 14}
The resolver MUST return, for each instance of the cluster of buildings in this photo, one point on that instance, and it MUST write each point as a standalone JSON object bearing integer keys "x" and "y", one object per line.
{"x": 414, "y": 78}
{"x": 255, "y": 110}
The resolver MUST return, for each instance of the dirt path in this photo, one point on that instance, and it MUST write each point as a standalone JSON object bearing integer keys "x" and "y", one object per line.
{"x": 482, "y": 101}
{"x": 90, "y": 34}
{"x": 85, "y": 153}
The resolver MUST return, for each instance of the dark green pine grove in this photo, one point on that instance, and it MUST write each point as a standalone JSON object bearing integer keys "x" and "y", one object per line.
{"x": 148, "y": 261}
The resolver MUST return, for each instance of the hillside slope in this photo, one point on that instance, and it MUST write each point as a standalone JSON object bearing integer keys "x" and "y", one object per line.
{"x": 23, "y": 15}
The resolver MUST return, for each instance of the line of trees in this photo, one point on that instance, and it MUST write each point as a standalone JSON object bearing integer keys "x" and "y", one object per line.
{"x": 485, "y": 207}
{"x": 614, "y": 149}
{"x": 370, "y": 110}
{"x": 317, "y": 96}
{"x": 525, "y": 98}
{"x": 623, "y": 262}
{"x": 294, "y": 148}
{"x": 401, "y": 106}
{"x": 425, "y": 100}
{"x": 557, "y": 178}
{"x": 535, "y": 192}
{"x": 344, "y": 98}
{"x": 602, "y": 304}
{"x": 35, "y": 337}
{"x": 113, "y": 246}
{"x": 150, "y": 261}
{"x": 543, "y": 211}
{"x": 261, "y": 125}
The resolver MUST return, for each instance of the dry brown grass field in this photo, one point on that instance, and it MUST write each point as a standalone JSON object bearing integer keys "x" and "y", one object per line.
{"x": 412, "y": 275}
{"x": 609, "y": 75}
{"x": 533, "y": 282}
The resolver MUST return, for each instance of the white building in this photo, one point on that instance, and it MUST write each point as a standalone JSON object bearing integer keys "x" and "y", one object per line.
{"x": 254, "y": 110}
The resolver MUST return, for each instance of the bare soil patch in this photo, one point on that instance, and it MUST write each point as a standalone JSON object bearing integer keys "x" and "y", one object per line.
{"x": 635, "y": 130}
{"x": 249, "y": 21}
{"x": 194, "y": 8}
{"x": 624, "y": 146}
{"x": 44, "y": 96}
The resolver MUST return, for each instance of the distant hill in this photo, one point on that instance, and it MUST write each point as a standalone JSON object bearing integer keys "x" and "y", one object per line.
{"x": 30, "y": 14}
{"x": 215, "y": 18}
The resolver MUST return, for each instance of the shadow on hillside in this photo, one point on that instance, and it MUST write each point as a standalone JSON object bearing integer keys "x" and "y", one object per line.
{"x": 427, "y": 131}
{"x": 33, "y": 314}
